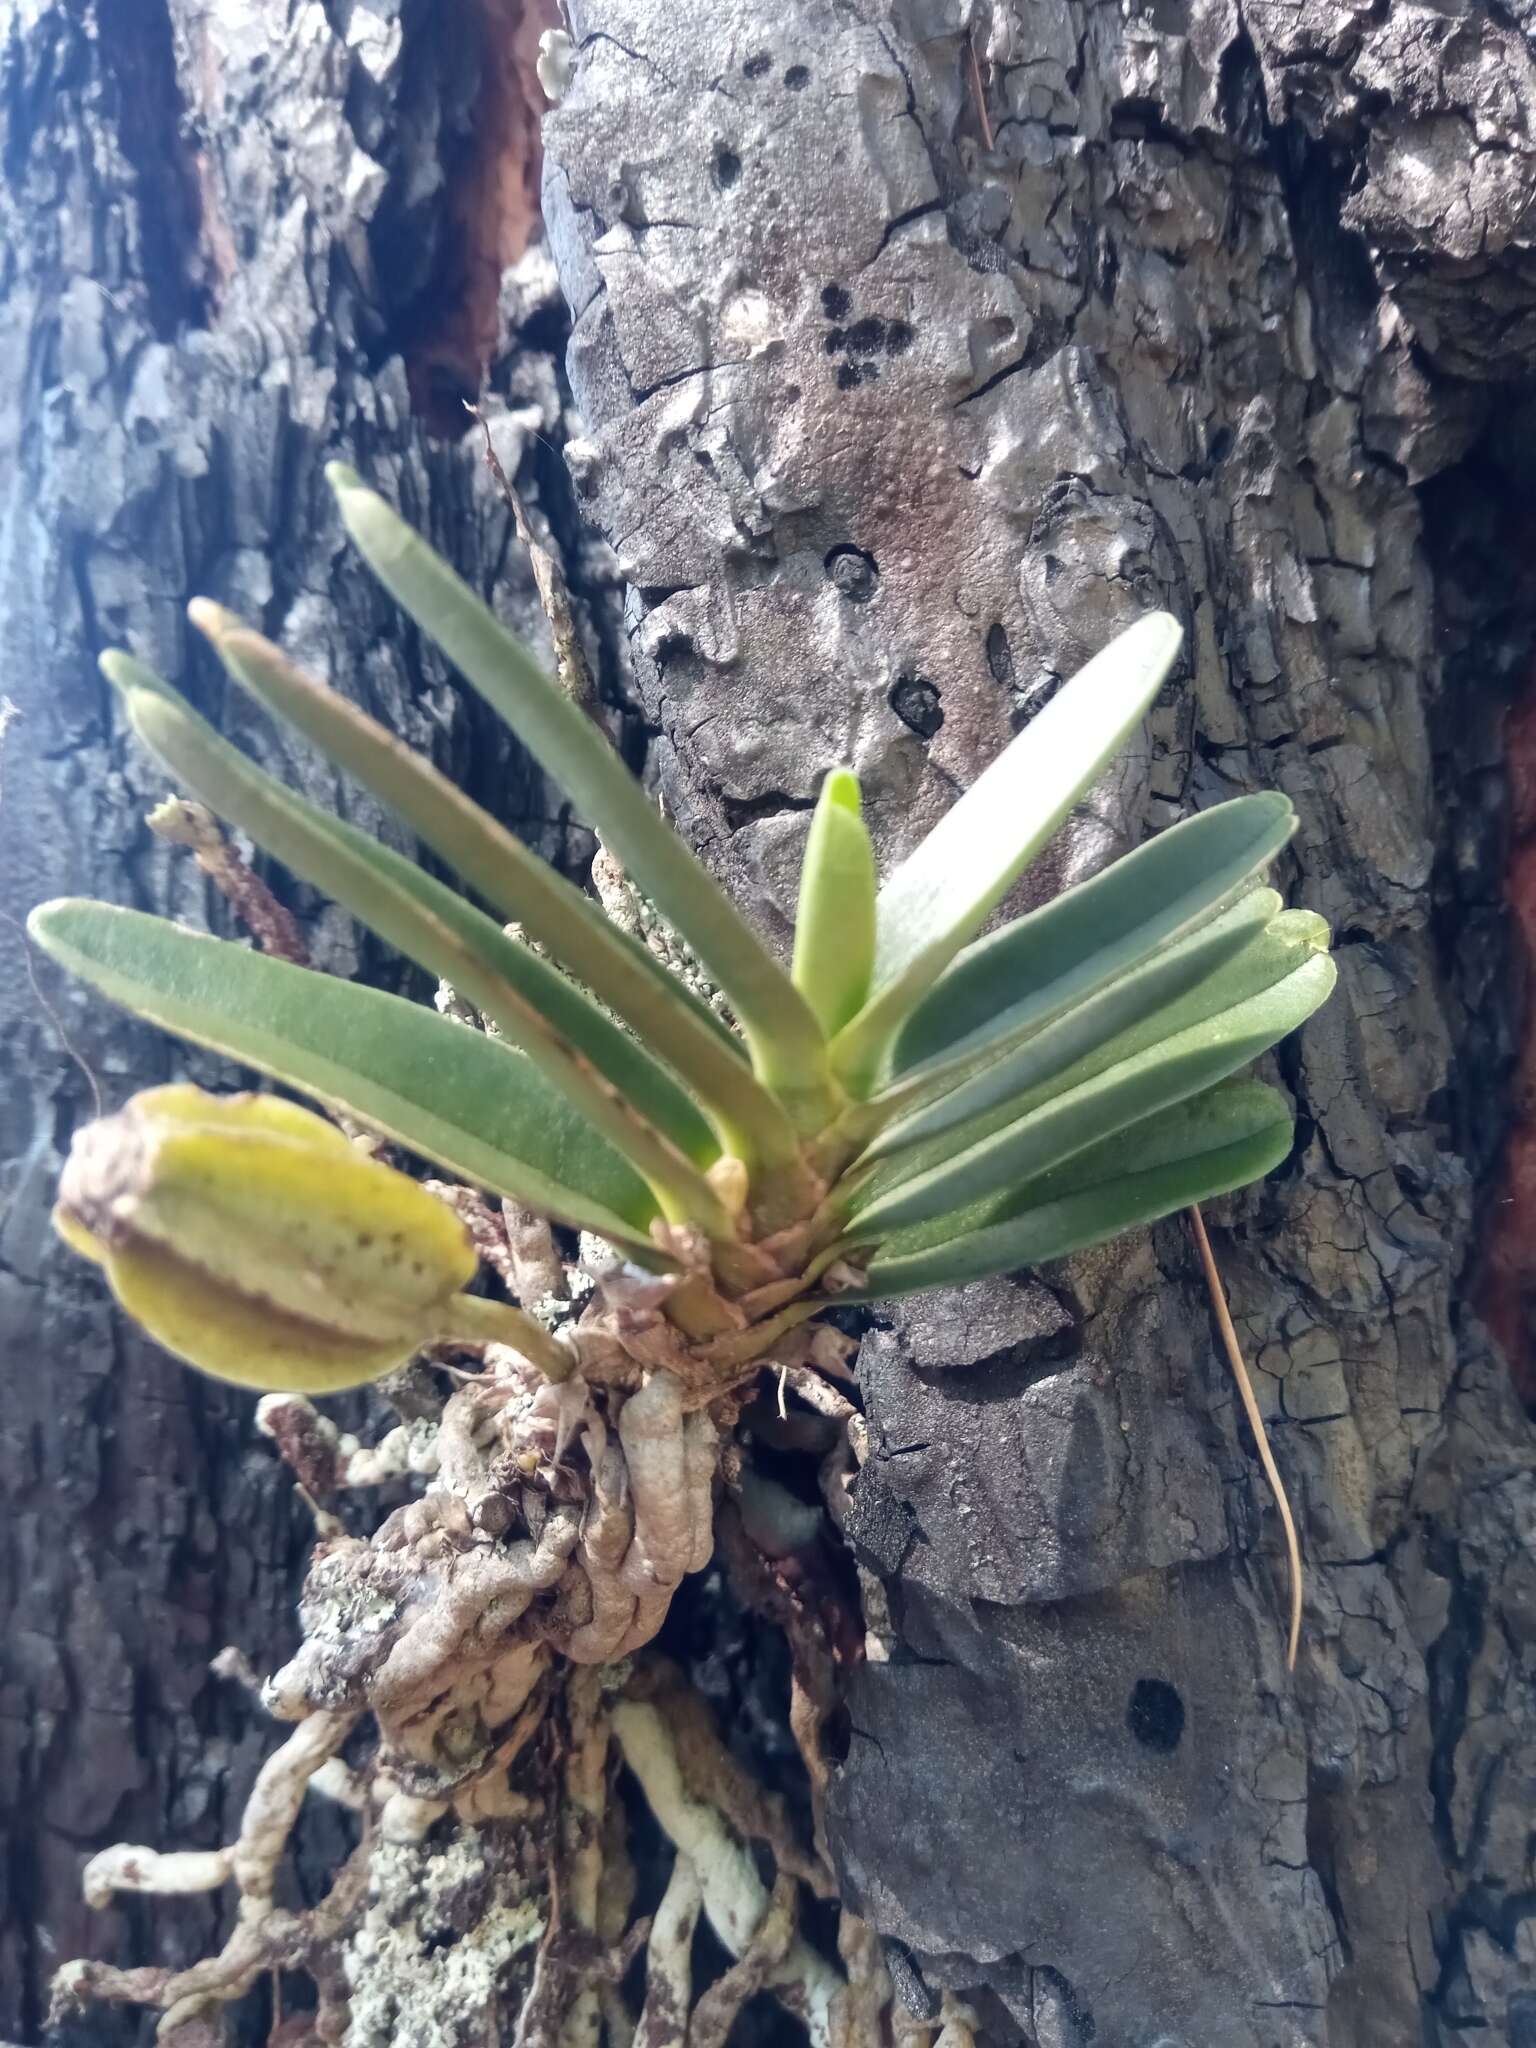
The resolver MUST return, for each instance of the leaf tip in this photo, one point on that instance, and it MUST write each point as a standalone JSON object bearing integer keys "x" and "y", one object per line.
{"x": 1155, "y": 638}
{"x": 40, "y": 918}
{"x": 373, "y": 524}
{"x": 842, "y": 789}
{"x": 210, "y": 619}
{"x": 133, "y": 681}
{"x": 48, "y": 924}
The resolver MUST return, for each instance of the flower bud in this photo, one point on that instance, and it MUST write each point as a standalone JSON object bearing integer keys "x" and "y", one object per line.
{"x": 254, "y": 1240}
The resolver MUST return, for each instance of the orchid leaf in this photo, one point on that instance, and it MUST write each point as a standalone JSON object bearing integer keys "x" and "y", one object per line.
{"x": 531, "y": 1004}
{"x": 1084, "y": 938}
{"x": 621, "y": 972}
{"x": 1148, "y": 1069}
{"x": 1034, "y": 1051}
{"x": 446, "y": 1092}
{"x": 835, "y": 928}
{"x": 788, "y": 1046}
{"x": 940, "y": 897}
{"x": 1272, "y": 951}
{"x": 1219, "y": 1140}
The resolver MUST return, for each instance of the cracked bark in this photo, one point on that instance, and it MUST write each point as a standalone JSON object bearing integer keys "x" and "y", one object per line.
{"x": 889, "y": 431}
{"x": 234, "y": 242}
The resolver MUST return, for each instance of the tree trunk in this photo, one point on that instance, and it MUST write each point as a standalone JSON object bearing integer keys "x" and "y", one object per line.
{"x": 919, "y": 349}
{"x": 236, "y": 241}
{"x": 911, "y": 366}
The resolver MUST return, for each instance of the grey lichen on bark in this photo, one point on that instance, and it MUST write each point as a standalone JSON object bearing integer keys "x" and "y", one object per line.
{"x": 905, "y": 382}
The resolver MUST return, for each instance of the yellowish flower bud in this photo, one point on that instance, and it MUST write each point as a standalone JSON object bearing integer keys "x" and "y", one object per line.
{"x": 251, "y": 1238}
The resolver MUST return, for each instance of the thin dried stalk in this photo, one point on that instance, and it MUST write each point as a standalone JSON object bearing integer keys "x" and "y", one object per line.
{"x": 1255, "y": 1423}
{"x": 180, "y": 822}
{"x": 979, "y": 96}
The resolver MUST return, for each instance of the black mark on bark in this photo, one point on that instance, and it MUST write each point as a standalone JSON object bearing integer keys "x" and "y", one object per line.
{"x": 915, "y": 702}
{"x": 1155, "y": 1715}
{"x": 856, "y": 574}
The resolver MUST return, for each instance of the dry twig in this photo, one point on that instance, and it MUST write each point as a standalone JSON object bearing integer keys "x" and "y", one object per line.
{"x": 549, "y": 580}
{"x": 1234, "y": 1352}
{"x": 276, "y": 930}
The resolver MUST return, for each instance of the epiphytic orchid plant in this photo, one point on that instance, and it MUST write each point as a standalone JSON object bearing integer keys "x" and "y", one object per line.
{"x": 909, "y": 1105}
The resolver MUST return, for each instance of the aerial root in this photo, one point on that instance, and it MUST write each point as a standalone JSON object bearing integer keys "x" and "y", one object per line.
{"x": 485, "y": 1627}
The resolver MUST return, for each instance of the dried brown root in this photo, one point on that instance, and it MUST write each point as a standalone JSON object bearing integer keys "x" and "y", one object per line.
{"x": 651, "y": 1430}
{"x": 489, "y": 1794}
{"x": 275, "y": 1799}
{"x": 671, "y": 1459}
{"x": 616, "y": 1889}
{"x": 1235, "y": 1360}
{"x": 568, "y": 1963}
{"x": 605, "y": 1539}
{"x": 538, "y": 1272}
{"x": 80, "y": 1985}
{"x": 252, "y": 1859}
{"x": 618, "y": 2020}
{"x": 824, "y": 1636}
{"x": 487, "y": 1231}
{"x": 475, "y": 1601}
{"x": 127, "y": 1867}
{"x": 181, "y": 822}
{"x": 326, "y": 1460}
{"x": 758, "y": 1963}
{"x": 616, "y": 1517}
{"x": 586, "y": 1790}
{"x": 264, "y": 1939}
{"x": 549, "y": 580}
{"x": 957, "y": 2023}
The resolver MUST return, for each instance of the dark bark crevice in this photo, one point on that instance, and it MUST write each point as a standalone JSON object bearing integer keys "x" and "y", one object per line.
{"x": 150, "y": 115}
{"x": 1478, "y": 535}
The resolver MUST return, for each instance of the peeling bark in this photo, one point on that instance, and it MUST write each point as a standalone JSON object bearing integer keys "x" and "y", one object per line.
{"x": 905, "y": 384}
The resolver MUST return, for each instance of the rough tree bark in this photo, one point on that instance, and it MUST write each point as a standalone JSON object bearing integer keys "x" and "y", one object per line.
{"x": 236, "y": 241}
{"x": 919, "y": 348}
{"x": 905, "y": 380}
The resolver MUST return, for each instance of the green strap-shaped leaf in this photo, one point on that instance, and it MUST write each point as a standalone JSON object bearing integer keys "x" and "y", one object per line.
{"x": 1081, "y": 940}
{"x": 788, "y": 1046}
{"x": 907, "y": 1190}
{"x": 1232, "y": 1134}
{"x": 441, "y": 933}
{"x": 835, "y": 928}
{"x": 1272, "y": 951}
{"x": 941, "y": 895}
{"x": 448, "y": 1093}
{"x": 665, "y": 1014}
{"x": 1038, "y": 1050}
